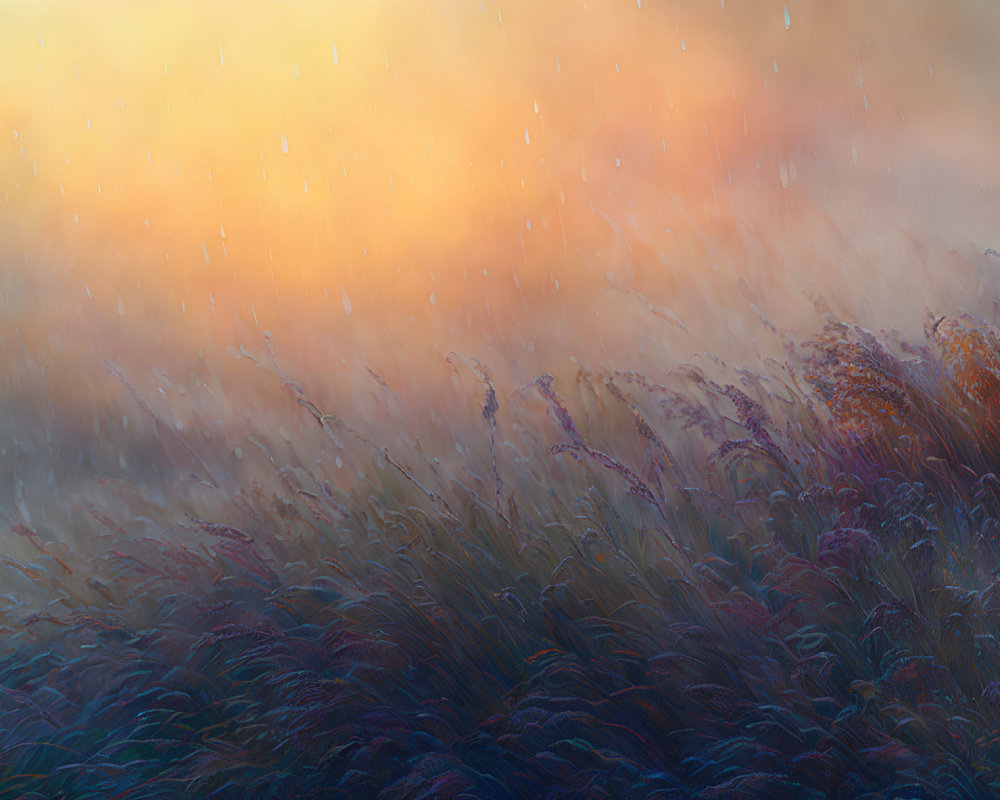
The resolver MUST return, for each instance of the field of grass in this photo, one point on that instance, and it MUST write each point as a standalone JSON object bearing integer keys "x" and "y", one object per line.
{"x": 711, "y": 583}
{"x": 517, "y": 399}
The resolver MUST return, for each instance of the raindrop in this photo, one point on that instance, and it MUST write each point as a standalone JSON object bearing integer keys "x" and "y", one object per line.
{"x": 346, "y": 300}
{"x": 788, "y": 19}
{"x": 284, "y": 144}
{"x": 527, "y": 138}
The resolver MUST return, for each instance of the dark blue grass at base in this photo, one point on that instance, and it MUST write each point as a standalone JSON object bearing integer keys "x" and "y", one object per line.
{"x": 828, "y": 629}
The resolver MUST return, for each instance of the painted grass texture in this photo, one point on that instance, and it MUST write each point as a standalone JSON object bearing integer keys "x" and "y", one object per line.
{"x": 709, "y": 583}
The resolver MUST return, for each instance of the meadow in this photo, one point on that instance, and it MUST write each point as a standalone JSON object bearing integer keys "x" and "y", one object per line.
{"x": 499, "y": 401}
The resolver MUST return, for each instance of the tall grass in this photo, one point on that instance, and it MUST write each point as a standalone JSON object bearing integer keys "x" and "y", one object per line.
{"x": 709, "y": 583}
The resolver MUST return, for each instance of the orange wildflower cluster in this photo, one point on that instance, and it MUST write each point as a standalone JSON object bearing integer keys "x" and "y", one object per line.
{"x": 971, "y": 352}
{"x": 859, "y": 381}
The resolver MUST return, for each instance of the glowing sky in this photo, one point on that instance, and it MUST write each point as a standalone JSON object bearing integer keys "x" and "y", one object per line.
{"x": 363, "y": 175}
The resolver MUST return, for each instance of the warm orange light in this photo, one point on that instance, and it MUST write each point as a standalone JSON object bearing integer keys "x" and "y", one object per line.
{"x": 363, "y": 176}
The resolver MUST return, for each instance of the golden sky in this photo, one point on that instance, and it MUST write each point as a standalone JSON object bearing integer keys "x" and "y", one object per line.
{"x": 393, "y": 180}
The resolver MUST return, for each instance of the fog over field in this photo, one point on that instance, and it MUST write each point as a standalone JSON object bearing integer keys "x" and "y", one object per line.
{"x": 286, "y": 289}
